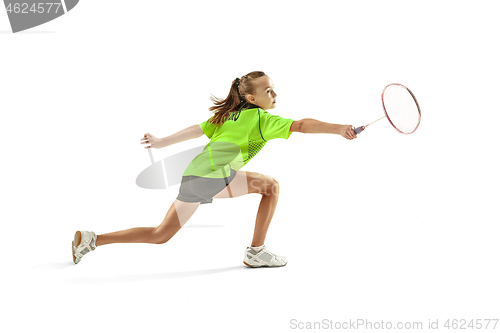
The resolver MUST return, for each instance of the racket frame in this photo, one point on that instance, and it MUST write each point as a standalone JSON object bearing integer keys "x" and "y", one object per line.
{"x": 385, "y": 111}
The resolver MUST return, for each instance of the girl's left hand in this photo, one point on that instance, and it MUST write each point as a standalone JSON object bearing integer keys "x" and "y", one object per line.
{"x": 152, "y": 140}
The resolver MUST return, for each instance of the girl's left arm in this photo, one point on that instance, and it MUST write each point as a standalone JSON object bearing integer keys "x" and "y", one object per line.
{"x": 191, "y": 132}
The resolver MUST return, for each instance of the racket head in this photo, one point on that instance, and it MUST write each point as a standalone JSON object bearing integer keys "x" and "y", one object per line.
{"x": 401, "y": 108}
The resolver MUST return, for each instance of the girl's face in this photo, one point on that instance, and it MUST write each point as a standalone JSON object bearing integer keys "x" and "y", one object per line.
{"x": 264, "y": 95}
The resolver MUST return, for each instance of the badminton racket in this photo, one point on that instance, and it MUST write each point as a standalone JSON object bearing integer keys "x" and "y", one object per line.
{"x": 401, "y": 109}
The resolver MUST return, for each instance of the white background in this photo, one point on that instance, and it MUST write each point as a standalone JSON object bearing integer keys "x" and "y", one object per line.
{"x": 385, "y": 227}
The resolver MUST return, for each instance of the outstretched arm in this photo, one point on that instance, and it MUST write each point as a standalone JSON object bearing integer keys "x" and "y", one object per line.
{"x": 309, "y": 125}
{"x": 191, "y": 132}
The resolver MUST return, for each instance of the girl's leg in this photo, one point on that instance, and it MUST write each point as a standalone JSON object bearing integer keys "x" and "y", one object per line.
{"x": 264, "y": 215}
{"x": 252, "y": 182}
{"x": 178, "y": 214}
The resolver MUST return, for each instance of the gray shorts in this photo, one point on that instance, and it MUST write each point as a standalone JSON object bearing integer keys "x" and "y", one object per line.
{"x": 202, "y": 189}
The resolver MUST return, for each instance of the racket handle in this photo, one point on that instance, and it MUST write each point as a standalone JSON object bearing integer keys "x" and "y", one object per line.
{"x": 359, "y": 129}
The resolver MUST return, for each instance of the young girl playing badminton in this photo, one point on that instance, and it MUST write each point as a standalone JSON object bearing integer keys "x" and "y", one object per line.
{"x": 238, "y": 130}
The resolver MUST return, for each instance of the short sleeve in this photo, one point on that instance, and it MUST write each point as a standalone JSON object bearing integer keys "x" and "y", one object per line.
{"x": 208, "y": 128}
{"x": 275, "y": 127}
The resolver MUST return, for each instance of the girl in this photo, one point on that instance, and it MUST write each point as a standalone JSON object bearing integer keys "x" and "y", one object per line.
{"x": 238, "y": 130}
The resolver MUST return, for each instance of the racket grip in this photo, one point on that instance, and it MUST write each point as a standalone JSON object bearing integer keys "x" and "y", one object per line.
{"x": 359, "y": 129}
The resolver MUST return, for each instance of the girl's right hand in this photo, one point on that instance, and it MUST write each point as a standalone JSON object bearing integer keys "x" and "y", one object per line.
{"x": 347, "y": 131}
{"x": 152, "y": 140}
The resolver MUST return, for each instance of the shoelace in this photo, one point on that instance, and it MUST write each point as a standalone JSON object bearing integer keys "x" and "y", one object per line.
{"x": 270, "y": 253}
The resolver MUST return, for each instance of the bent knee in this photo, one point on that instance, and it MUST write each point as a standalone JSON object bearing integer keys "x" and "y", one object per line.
{"x": 262, "y": 184}
{"x": 160, "y": 239}
{"x": 273, "y": 188}
{"x": 162, "y": 236}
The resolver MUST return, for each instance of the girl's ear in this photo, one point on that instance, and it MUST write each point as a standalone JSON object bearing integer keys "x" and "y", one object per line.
{"x": 250, "y": 98}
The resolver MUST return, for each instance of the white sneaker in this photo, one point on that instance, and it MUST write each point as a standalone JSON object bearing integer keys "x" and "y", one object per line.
{"x": 263, "y": 258}
{"x": 84, "y": 243}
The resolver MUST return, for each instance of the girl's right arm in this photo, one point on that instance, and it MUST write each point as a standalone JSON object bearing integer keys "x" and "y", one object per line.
{"x": 309, "y": 125}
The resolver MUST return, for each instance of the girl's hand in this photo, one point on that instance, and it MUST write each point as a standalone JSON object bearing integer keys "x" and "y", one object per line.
{"x": 152, "y": 140}
{"x": 347, "y": 131}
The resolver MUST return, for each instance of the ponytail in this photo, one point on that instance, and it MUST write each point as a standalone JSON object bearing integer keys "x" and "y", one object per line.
{"x": 235, "y": 100}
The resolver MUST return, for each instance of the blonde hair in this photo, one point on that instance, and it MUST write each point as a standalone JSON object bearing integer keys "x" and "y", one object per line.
{"x": 236, "y": 99}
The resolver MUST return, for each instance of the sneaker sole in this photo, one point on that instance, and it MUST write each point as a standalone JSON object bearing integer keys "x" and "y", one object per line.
{"x": 76, "y": 243}
{"x": 263, "y": 266}
{"x": 249, "y": 265}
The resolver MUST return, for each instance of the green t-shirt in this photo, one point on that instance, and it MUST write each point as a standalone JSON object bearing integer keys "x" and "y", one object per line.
{"x": 235, "y": 142}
